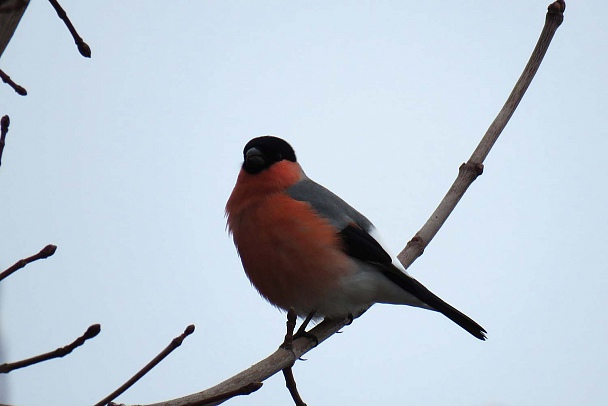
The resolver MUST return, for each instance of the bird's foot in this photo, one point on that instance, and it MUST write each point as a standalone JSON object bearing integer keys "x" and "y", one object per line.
{"x": 291, "y": 325}
{"x": 302, "y": 330}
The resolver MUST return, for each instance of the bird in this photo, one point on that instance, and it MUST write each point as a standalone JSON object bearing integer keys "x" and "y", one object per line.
{"x": 304, "y": 248}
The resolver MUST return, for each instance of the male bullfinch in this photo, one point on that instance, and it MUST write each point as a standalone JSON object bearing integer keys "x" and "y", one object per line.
{"x": 304, "y": 248}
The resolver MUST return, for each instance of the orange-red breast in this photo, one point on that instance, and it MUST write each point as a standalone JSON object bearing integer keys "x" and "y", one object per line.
{"x": 303, "y": 247}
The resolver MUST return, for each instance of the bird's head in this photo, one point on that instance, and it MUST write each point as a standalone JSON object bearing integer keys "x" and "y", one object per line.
{"x": 262, "y": 152}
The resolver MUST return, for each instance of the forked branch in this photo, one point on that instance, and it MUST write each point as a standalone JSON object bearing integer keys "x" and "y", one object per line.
{"x": 261, "y": 371}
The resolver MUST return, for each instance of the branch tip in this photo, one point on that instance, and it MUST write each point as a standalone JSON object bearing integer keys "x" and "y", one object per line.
{"x": 176, "y": 342}
{"x": 6, "y": 121}
{"x": 44, "y": 253}
{"x": 558, "y": 6}
{"x": 82, "y": 46}
{"x": 92, "y": 331}
{"x": 17, "y": 88}
{"x": 4, "y": 124}
{"x": 189, "y": 330}
{"x": 84, "y": 49}
{"x": 60, "y": 352}
{"x": 47, "y": 251}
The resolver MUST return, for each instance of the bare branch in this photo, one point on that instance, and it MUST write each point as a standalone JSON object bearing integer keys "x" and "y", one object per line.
{"x": 91, "y": 332}
{"x": 264, "y": 369}
{"x": 4, "y": 123}
{"x": 474, "y": 167}
{"x": 176, "y": 342}
{"x": 290, "y": 381}
{"x": 44, "y": 253}
{"x": 83, "y": 48}
{"x": 7, "y": 79}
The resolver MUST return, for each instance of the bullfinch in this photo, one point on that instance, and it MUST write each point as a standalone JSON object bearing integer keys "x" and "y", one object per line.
{"x": 303, "y": 247}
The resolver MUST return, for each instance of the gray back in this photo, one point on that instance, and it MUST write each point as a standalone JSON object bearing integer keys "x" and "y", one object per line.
{"x": 327, "y": 204}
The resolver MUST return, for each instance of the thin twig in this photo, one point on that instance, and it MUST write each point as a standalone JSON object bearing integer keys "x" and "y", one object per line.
{"x": 474, "y": 167}
{"x": 4, "y": 123}
{"x": 264, "y": 369}
{"x": 7, "y": 79}
{"x": 83, "y": 48}
{"x": 44, "y": 253}
{"x": 290, "y": 381}
{"x": 91, "y": 332}
{"x": 176, "y": 342}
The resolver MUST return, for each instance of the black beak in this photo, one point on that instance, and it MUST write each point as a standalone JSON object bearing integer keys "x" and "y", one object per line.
{"x": 255, "y": 161}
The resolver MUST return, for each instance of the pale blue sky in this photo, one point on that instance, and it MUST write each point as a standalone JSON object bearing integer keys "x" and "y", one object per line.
{"x": 125, "y": 161}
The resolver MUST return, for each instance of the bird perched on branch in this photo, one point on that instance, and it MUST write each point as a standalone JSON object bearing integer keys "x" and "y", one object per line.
{"x": 303, "y": 247}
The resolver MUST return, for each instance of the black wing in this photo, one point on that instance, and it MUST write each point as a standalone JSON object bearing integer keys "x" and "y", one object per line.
{"x": 361, "y": 245}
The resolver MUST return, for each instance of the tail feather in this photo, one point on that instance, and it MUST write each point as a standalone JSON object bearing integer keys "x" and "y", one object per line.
{"x": 417, "y": 289}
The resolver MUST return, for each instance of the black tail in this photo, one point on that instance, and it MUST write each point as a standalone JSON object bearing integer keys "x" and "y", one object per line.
{"x": 417, "y": 289}
{"x": 358, "y": 243}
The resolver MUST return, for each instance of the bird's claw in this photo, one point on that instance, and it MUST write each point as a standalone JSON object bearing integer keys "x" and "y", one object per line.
{"x": 307, "y": 335}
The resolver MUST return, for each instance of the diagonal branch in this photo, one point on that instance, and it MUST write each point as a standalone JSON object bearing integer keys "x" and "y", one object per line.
{"x": 282, "y": 358}
{"x": 83, "y": 48}
{"x": 176, "y": 342}
{"x": 474, "y": 167}
{"x": 20, "y": 90}
{"x": 290, "y": 382}
{"x": 91, "y": 332}
{"x": 44, "y": 253}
